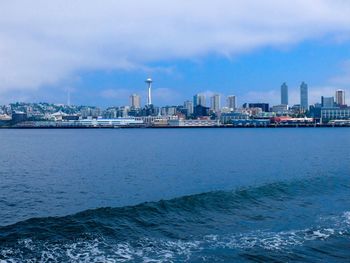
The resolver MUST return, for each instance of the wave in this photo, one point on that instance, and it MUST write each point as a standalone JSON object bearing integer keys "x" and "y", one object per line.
{"x": 258, "y": 245}
{"x": 191, "y": 227}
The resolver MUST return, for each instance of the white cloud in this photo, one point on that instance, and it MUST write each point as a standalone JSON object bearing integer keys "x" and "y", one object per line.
{"x": 44, "y": 42}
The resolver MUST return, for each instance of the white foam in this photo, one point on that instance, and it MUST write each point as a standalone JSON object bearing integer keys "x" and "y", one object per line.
{"x": 160, "y": 250}
{"x": 346, "y": 216}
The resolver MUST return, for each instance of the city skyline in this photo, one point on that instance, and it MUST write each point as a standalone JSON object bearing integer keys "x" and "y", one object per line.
{"x": 202, "y": 110}
{"x": 216, "y": 101}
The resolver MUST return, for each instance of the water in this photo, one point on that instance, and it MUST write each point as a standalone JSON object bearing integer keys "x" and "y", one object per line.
{"x": 173, "y": 195}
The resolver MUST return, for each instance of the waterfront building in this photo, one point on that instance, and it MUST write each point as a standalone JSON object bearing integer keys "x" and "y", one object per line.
{"x": 263, "y": 106}
{"x": 193, "y": 123}
{"x": 283, "y": 108}
{"x": 93, "y": 112}
{"x": 168, "y": 111}
{"x": 188, "y": 105}
{"x": 253, "y": 111}
{"x": 5, "y": 117}
{"x": 181, "y": 111}
{"x": 251, "y": 122}
{"x": 295, "y": 108}
{"x": 286, "y": 120}
{"x": 215, "y": 103}
{"x": 99, "y": 122}
{"x": 200, "y": 111}
{"x": 163, "y": 111}
{"x": 304, "y": 96}
{"x": 335, "y": 114}
{"x": 150, "y": 110}
{"x": 156, "y": 120}
{"x": 340, "y": 97}
{"x": 315, "y": 111}
{"x": 284, "y": 94}
{"x": 228, "y": 117}
{"x": 327, "y": 102}
{"x": 135, "y": 101}
{"x": 57, "y": 116}
{"x": 199, "y": 99}
{"x": 110, "y": 113}
{"x": 18, "y": 116}
{"x": 172, "y": 111}
{"x": 231, "y": 102}
{"x": 135, "y": 112}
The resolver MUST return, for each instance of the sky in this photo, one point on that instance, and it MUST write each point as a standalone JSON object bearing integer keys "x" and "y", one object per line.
{"x": 102, "y": 51}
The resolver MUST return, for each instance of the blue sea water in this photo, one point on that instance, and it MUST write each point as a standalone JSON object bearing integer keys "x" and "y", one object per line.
{"x": 175, "y": 195}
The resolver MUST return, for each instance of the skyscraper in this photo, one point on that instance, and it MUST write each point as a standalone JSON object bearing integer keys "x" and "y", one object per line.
{"x": 199, "y": 99}
{"x": 215, "y": 103}
{"x": 304, "y": 96}
{"x": 188, "y": 105}
{"x": 284, "y": 94}
{"x": 340, "y": 97}
{"x": 231, "y": 102}
{"x": 135, "y": 101}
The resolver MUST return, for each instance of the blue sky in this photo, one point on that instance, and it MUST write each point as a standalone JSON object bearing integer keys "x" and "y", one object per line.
{"x": 102, "y": 53}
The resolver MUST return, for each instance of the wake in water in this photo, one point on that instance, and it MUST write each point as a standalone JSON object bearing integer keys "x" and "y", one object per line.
{"x": 260, "y": 246}
{"x": 303, "y": 221}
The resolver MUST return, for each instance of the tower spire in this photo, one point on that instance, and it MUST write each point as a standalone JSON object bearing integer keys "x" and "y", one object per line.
{"x": 149, "y": 84}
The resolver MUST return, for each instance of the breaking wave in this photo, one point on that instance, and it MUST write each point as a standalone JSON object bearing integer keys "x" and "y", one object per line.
{"x": 270, "y": 222}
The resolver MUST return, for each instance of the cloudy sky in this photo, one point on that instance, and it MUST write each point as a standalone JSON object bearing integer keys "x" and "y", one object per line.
{"x": 101, "y": 51}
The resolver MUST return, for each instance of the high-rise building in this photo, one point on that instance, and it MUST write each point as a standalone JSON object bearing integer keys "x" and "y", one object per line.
{"x": 340, "y": 97}
{"x": 327, "y": 102}
{"x": 135, "y": 101}
{"x": 304, "y": 96}
{"x": 231, "y": 102}
{"x": 168, "y": 111}
{"x": 215, "y": 103}
{"x": 188, "y": 105}
{"x": 199, "y": 99}
{"x": 284, "y": 94}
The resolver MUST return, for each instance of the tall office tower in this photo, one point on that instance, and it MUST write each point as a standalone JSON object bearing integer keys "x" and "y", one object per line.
{"x": 284, "y": 94}
{"x": 149, "y": 85}
{"x": 304, "y": 96}
{"x": 188, "y": 105}
{"x": 199, "y": 99}
{"x": 215, "y": 103}
{"x": 231, "y": 102}
{"x": 135, "y": 101}
{"x": 340, "y": 97}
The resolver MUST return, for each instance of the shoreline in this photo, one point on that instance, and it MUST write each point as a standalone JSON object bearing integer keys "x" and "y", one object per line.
{"x": 179, "y": 127}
